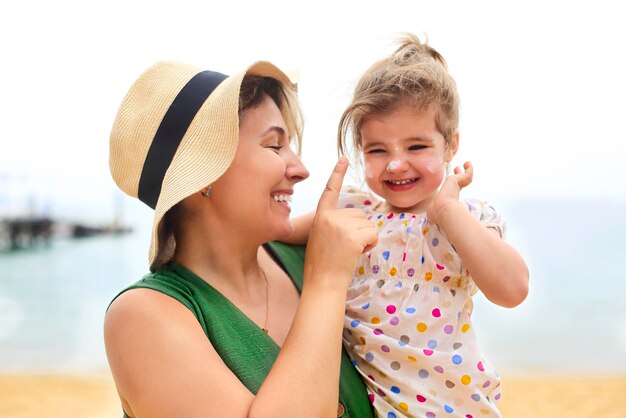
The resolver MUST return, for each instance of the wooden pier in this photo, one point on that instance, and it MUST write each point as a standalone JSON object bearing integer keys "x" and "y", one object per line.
{"x": 25, "y": 233}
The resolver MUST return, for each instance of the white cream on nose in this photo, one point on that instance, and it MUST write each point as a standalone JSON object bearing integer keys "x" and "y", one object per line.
{"x": 393, "y": 165}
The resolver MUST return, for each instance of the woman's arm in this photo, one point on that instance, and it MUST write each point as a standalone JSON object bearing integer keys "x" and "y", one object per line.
{"x": 306, "y": 372}
{"x": 497, "y": 268}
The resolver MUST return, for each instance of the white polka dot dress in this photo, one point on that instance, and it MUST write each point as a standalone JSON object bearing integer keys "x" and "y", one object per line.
{"x": 408, "y": 323}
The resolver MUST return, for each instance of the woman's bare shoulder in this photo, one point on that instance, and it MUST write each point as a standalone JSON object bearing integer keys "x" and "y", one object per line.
{"x": 162, "y": 362}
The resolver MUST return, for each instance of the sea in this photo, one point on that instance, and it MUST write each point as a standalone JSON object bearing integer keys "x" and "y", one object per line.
{"x": 53, "y": 297}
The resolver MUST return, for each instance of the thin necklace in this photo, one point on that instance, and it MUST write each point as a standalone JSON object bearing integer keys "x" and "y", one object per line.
{"x": 267, "y": 301}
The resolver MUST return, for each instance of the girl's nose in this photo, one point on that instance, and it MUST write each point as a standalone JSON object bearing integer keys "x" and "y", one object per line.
{"x": 397, "y": 165}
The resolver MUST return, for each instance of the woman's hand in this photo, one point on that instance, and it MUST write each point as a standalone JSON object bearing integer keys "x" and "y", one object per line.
{"x": 449, "y": 193}
{"x": 338, "y": 236}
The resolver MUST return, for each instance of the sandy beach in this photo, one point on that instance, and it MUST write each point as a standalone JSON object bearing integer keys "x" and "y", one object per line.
{"x": 94, "y": 396}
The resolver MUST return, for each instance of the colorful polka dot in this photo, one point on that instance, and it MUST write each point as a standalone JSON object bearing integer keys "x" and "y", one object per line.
{"x": 443, "y": 330}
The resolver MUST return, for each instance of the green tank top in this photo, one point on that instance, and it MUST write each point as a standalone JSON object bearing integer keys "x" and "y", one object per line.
{"x": 244, "y": 347}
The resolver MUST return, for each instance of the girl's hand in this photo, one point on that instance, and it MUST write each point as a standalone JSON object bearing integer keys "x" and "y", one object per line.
{"x": 338, "y": 236}
{"x": 450, "y": 190}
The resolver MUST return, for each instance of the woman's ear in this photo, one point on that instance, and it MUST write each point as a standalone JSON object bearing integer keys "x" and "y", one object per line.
{"x": 453, "y": 146}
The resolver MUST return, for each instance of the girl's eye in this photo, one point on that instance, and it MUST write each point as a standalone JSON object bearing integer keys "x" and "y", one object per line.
{"x": 275, "y": 147}
{"x": 375, "y": 151}
{"x": 416, "y": 147}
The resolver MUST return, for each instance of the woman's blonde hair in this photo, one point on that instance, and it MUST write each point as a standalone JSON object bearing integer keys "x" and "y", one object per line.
{"x": 254, "y": 88}
{"x": 415, "y": 75}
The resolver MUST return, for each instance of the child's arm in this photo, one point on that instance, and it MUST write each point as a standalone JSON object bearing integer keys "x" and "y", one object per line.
{"x": 301, "y": 228}
{"x": 497, "y": 268}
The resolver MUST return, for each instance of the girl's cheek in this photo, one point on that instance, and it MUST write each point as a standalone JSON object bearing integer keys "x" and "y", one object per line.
{"x": 369, "y": 173}
{"x": 435, "y": 165}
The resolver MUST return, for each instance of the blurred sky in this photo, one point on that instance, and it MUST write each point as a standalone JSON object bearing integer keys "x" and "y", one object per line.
{"x": 542, "y": 85}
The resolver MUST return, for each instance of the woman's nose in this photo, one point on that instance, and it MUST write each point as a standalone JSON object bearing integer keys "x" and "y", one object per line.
{"x": 296, "y": 171}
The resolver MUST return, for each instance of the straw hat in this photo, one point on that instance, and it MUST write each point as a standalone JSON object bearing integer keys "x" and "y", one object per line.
{"x": 175, "y": 133}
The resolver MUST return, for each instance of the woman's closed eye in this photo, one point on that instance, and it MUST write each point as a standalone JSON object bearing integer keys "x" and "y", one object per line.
{"x": 274, "y": 147}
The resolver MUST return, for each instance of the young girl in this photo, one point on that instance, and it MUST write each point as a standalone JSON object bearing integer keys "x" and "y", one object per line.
{"x": 408, "y": 318}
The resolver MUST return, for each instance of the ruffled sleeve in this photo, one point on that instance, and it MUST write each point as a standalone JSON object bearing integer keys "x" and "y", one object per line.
{"x": 487, "y": 215}
{"x": 353, "y": 197}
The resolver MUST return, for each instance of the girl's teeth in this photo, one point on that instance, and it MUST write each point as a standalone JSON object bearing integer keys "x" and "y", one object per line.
{"x": 282, "y": 198}
{"x": 401, "y": 182}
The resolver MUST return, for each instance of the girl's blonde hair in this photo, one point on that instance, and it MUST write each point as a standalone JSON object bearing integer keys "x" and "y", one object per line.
{"x": 415, "y": 75}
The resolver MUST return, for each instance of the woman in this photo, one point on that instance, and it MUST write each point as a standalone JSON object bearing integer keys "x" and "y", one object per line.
{"x": 219, "y": 327}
